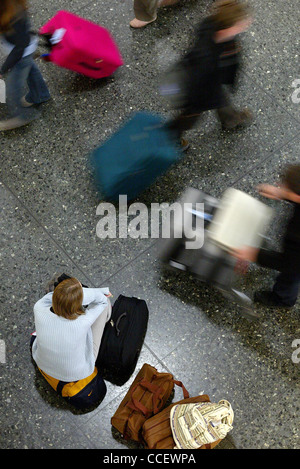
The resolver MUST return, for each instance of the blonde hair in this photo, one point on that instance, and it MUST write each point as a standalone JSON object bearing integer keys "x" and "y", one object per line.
{"x": 8, "y": 10}
{"x": 67, "y": 299}
{"x": 226, "y": 13}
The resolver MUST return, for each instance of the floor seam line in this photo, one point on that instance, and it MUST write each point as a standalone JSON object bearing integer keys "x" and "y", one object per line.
{"x": 263, "y": 160}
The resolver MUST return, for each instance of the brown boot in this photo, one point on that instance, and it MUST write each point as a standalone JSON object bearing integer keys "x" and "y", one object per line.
{"x": 184, "y": 144}
{"x": 232, "y": 119}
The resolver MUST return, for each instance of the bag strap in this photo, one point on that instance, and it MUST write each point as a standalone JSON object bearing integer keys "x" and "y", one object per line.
{"x": 156, "y": 391}
{"x": 137, "y": 405}
{"x": 185, "y": 392}
{"x": 146, "y": 385}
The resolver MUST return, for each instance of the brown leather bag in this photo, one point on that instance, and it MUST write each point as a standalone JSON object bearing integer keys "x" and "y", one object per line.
{"x": 146, "y": 397}
{"x": 157, "y": 433}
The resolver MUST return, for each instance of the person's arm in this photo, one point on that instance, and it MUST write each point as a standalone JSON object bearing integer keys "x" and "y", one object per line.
{"x": 263, "y": 257}
{"x": 271, "y": 259}
{"x": 105, "y": 291}
{"x": 287, "y": 261}
{"x": 95, "y": 301}
{"x": 272, "y": 192}
{"x": 45, "y": 302}
{"x": 21, "y": 39}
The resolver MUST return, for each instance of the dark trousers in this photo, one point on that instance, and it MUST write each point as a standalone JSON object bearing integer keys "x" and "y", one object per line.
{"x": 183, "y": 122}
{"x": 187, "y": 119}
{"x": 189, "y": 116}
{"x": 286, "y": 288}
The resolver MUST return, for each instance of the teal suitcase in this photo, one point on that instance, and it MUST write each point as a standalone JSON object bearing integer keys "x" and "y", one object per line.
{"x": 134, "y": 157}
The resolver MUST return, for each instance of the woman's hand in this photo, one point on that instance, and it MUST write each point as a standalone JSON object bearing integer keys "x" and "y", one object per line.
{"x": 109, "y": 295}
{"x": 246, "y": 253}
{"x": 269, "y": 191}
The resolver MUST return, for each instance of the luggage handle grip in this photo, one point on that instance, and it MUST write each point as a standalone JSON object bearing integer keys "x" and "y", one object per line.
{"x": 117, "y": 323}
{"x": 138, "y": 406}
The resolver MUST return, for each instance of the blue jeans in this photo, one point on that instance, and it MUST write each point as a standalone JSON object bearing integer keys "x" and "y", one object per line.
{"x": 25, "y": 72}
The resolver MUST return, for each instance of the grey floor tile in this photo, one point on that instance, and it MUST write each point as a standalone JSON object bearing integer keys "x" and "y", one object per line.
{"x": 28, "y": 264}
{"x": 32, "y": 416}
{"x": 57, "y": 189}
{"x": 270, "y": 167}
{"x": 273, "y": 63}
{"x": 41, "y": 13}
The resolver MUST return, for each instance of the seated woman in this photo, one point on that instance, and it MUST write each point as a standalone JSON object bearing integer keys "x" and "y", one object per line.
{"x": 68, "y": 334}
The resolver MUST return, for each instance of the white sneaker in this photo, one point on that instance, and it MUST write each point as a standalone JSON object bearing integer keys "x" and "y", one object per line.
{"x": 12, "y": 123}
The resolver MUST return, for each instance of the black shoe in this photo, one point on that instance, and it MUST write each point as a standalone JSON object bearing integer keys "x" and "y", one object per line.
{"x": 268, "y": 298}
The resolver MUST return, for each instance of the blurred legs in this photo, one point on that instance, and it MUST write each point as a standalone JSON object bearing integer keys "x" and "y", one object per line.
{"x": 25, "y": 71}
{"x": 145, "y": 10}
{"x": 38, "y": 90}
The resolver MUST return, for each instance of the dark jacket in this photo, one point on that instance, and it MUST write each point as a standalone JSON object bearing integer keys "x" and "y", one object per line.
{"x": 209, "y": 65}
{"x": 289, "y": 259}
{"x": 19, "y": 35}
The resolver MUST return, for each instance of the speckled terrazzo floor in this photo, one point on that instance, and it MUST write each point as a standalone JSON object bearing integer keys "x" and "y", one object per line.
{"x": 48, "y": 223}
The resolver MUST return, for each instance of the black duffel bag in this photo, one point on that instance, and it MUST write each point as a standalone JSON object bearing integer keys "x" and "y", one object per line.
{"x": 122, "y": 339}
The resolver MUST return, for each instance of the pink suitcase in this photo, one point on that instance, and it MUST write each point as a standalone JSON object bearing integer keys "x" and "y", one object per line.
{"x": 84, "y": 47}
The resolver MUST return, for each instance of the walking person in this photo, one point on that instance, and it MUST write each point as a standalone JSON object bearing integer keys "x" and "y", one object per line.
{"x": 19, "y": 68}
{"x": 211, "y": 64}
{"x": 286, "y": 262}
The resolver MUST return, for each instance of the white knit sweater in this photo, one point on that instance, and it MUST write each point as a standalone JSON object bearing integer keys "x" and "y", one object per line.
{"x": 63, "y": 348}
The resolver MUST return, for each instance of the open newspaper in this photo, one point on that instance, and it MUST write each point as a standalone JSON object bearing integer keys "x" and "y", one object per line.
{"x": 240, "y": 220}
